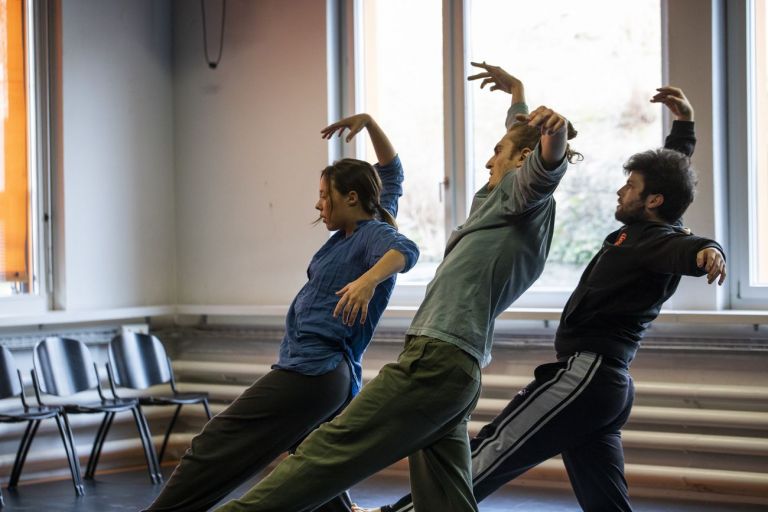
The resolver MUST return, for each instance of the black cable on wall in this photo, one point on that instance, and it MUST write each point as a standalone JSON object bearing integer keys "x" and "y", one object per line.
{"x": 213, "y": 63}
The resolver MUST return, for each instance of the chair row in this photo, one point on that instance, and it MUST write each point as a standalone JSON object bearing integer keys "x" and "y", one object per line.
{"x": 64, "y": 367}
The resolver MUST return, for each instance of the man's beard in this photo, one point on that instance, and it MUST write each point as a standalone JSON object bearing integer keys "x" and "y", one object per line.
{"x": 631, "y": 214}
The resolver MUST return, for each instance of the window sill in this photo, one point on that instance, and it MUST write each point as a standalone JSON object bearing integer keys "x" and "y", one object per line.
{"x": 670, "y": 317}
{"x": 77, "y": 317}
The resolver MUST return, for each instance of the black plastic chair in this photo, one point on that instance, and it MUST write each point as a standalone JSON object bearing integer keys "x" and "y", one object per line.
{"x": 138, "y": 361}
{"x": 64, "y": 367}
{"x": 12, "y": 386}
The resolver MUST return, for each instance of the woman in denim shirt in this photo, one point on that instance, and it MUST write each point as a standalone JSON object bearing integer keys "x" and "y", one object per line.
{"x": 329, "y": 325}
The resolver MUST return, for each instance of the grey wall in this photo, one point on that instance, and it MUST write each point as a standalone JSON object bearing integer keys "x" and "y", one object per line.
{"x": 173, "y": 173}
{"x": 248, "y": 150}
{"x": 116, "y": 188}
{"x": 692, "y": 62}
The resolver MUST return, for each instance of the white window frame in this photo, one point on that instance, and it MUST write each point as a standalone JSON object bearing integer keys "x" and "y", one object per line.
{"x": 458, "y": 154}
{"x": 38, "y": 43}
{"x": 741, "y": 157}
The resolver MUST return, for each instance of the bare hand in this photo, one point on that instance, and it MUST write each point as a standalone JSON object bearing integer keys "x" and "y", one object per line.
{"x": 713, "y": 261}
{"x": 353, "y": 123}
{"x": 355, "y": 297}
{"x": 500, "y": 79}
{"x": 546, "y": 119}
{"x": 675, "y": 101}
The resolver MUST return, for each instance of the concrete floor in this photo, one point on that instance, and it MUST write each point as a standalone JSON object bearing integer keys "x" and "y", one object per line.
{"x": 131, "y": 491}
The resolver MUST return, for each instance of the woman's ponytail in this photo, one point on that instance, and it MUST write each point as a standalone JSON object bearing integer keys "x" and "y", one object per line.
{"x": 385, "y": 215}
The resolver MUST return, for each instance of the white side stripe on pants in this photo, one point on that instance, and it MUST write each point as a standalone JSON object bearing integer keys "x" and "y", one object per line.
{"x": 543, "y": 404}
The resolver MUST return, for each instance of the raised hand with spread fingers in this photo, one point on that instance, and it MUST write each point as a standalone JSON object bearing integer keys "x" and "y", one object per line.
{"x": 499, "y": 80}
{"x": 385, "y": 152}
{"x": 675, "y": 100}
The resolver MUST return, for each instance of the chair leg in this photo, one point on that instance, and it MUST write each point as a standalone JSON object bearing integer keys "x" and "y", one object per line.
{"x": 97, "y": 438}
{"x": 21, "y": 454}
{"x": 168, "y": 433}
{"x": 207, "y": 409}
{"x": 152, "y": 451}
{"x": 98, "y": 444}
{"x": 75, "y": 461}
{"x": 69, "y": 448}
{"x": 149, "y": 448}
{"x": 22, "y": 446}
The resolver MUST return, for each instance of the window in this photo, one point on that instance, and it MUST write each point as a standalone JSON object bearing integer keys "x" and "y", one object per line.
{"x": 20, "y": 174}
{"x": 15, "y": 247}
{"x": 747, "y": 40}
{"x": 400, "y": 83}
{"x": 759, "y": 170}
{"x": 401, "y": 77}
{"x": 599, "y": 72}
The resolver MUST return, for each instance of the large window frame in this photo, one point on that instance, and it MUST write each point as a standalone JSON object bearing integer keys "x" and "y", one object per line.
{"x": 38, "y": 72}
{"x": 711, "y": 88}
{"x": 742, "y": 158}
{"x": 458, "y": 111}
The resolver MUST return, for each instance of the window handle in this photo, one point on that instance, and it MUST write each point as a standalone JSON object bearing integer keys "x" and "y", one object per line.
{"x": 443, "y": 184}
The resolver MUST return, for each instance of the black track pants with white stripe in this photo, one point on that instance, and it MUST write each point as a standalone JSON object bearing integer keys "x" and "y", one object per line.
{"x": 575, "y": 408}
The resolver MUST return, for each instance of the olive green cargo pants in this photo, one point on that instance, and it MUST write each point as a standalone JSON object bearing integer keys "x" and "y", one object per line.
{"x": 417, "y": 407}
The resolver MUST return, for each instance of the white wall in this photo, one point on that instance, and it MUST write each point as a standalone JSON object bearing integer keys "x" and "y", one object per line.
{"x": 248, "y": 150}
{"x": 116, "y": 187}
{"x": 692, "y": 65}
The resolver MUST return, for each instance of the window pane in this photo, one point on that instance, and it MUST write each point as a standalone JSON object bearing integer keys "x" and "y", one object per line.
{"x": 595, "y": 61}
{"x": 15, "y": 239}
{"x": 402, "y": 87}
{"x": 759, "y": 232}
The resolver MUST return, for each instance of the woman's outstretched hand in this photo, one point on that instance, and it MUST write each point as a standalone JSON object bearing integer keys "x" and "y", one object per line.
{"x": 353, "y": 123}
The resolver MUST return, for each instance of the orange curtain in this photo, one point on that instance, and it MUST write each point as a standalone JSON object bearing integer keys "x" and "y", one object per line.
{"x": 14, "y": 183}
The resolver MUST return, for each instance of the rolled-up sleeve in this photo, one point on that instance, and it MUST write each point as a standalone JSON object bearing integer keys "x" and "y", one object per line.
{"x": 391, "y": 176}
{"x": 514, "y": 109}
{"x": 386, "y": 238}
{"x": 531, "y": 184}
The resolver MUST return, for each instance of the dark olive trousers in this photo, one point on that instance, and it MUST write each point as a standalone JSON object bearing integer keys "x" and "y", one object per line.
{"x": 418, "y": 407}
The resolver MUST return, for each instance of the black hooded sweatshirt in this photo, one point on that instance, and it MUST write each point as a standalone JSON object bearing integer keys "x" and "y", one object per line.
{"x": 624, "y": 286}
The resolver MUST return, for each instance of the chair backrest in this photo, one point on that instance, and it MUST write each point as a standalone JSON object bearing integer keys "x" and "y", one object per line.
{"x": 138, "y": 361}
{"x": 9, "y": 379}
{"x": 64, "y": 366}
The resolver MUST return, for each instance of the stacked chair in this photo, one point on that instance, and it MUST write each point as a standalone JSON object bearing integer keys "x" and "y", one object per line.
{"x": 12, "y": 386}
{"x": 64, "y": 367}
{"x": 139, "y": 361}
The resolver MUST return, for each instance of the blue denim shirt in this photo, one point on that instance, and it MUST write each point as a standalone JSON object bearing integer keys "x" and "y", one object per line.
{"x": 315, "y": 342}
